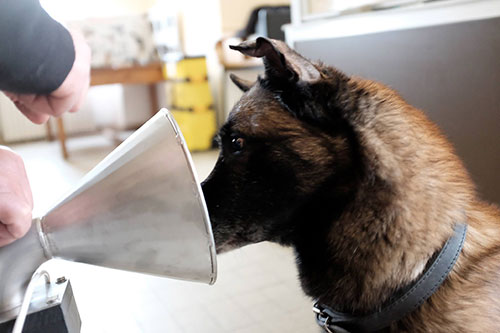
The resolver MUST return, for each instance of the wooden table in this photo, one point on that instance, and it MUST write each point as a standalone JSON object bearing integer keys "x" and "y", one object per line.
{"x": 149, "y": 75}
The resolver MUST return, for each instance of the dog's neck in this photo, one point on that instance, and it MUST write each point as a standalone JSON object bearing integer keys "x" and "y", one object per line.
{"x": 380, "y": 237}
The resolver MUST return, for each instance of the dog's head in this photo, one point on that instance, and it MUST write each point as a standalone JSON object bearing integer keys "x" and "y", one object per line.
{"x": 282, "y": 150}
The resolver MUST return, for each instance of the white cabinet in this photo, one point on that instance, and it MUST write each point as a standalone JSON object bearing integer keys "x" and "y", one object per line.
{"x": 442, "y": 57}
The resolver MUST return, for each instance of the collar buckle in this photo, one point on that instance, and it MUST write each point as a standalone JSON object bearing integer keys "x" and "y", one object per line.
{"x": 324, "y": 320}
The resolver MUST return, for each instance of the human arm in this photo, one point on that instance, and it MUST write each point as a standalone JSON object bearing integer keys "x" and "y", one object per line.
{"x": 44, "y": 68}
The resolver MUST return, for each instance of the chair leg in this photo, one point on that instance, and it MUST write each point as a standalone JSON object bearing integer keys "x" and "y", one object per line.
{"x": 153, "y": 96}
{"x": 48, "y": 131}
{"x": 62, "y": 137}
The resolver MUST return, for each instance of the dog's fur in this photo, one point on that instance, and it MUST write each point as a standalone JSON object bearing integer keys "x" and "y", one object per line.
{"x": 363, "y": 187}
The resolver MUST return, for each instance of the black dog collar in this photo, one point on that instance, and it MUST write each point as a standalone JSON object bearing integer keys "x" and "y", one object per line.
{"x": 414, "y": 295}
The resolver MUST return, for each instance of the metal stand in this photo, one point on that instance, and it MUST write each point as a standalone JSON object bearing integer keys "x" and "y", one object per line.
{"x": 52, "y": 309}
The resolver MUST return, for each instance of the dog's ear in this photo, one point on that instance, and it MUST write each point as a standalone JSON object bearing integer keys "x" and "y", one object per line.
{"x": 280, "y": 61}
{"x": 243, "y": 84}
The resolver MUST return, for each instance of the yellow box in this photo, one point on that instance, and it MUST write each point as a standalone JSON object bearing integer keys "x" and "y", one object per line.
{"x": 197, "y": 128}
{"x": 194, "y": 69}
{"x": 187, "y": 95}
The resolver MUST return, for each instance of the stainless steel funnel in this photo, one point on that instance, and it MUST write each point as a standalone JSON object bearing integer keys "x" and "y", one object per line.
{"x": 141, "y": 209}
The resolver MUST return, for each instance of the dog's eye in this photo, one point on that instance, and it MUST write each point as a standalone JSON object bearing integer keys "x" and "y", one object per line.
{"x": 238, "y": 144}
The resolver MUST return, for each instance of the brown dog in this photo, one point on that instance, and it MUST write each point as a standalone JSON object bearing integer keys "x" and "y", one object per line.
{"x": 363, "y": 187}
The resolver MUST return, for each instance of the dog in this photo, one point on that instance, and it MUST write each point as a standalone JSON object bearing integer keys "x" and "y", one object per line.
{"x": 361, "y": 185}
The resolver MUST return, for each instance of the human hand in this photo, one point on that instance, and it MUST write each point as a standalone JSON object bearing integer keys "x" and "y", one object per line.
{"x": 16, "y": 201}
{"x": 68, "y": 97}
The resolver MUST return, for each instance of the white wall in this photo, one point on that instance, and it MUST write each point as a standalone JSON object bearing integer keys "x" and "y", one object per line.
{"x": 201, "y": 26}
{"x": 235, "y": 13}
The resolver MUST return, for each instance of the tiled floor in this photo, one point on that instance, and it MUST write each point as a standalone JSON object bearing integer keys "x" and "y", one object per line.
{"x": 257, "y": 290}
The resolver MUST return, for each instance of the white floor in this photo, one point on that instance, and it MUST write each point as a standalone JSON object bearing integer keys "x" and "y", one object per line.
{"x": 257, "y": 290}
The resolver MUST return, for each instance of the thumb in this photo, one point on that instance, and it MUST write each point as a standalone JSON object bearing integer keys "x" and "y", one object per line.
{"x": 15, "y": 218}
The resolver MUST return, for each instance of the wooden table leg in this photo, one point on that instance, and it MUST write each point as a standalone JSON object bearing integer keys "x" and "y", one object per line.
{"x": 153, "y": 97}
{"x": 62, "y": 137}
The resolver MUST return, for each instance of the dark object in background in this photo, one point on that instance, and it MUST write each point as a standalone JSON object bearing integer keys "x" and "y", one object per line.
{"x": 266, "y": 21}
{"x": 52, "y": 309}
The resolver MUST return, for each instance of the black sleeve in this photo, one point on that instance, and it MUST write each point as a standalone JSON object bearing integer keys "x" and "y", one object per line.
{"x": 36, "y": 52}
